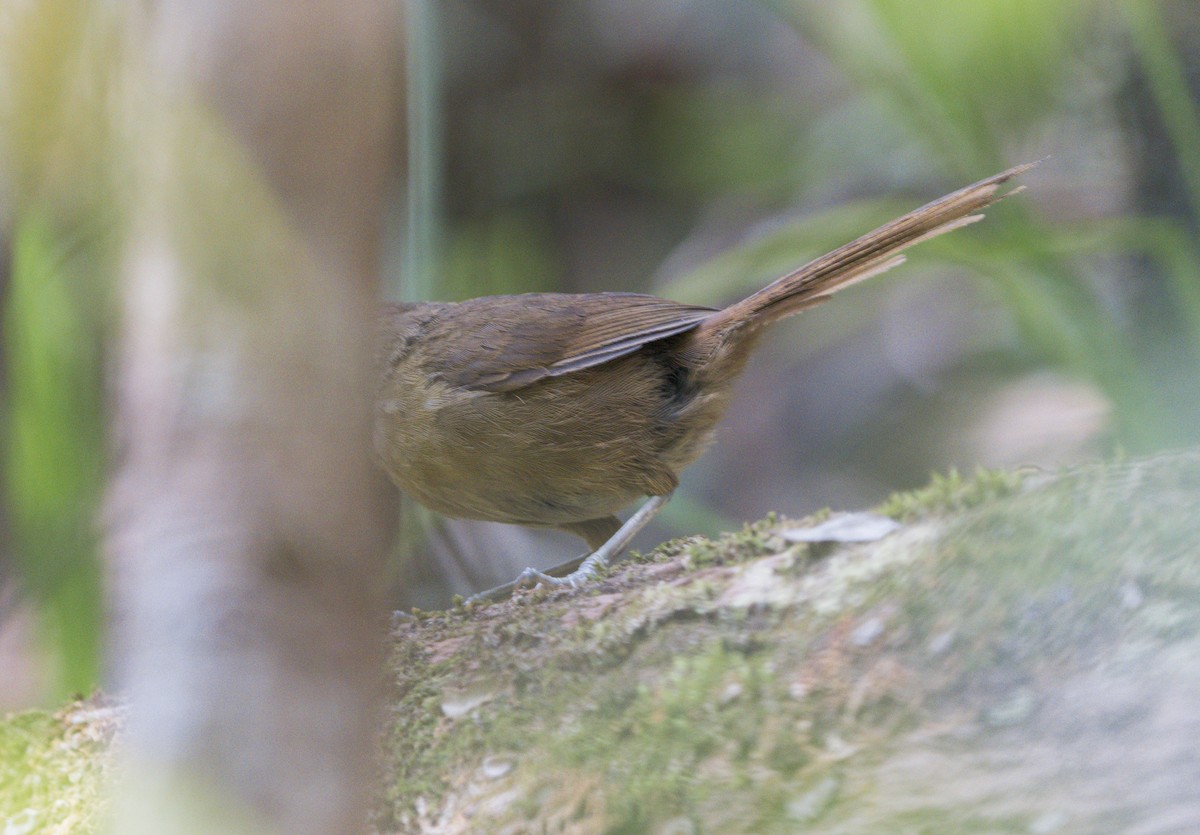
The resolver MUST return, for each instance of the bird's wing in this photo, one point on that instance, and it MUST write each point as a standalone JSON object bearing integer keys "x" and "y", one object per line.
{"x": 514, "y": 341}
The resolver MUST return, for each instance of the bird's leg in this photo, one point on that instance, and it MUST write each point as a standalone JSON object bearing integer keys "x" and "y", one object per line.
{"x": 587, "y": 569}
{"x": 601, "y": 557}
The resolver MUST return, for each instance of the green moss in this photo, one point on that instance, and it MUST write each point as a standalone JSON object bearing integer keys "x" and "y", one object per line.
{"x": 754, "y": 540}
{"x": 708, "y": 726}
{"x": 709, "y": 695}
{"x": 951, "y": 492}
{"x": 54, "y": 769}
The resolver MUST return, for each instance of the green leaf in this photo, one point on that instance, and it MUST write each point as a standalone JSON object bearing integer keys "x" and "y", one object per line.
{"x": 55, "y": 448}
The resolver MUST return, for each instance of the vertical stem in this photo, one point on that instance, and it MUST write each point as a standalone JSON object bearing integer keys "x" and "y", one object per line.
{"x": 422, "y": 252}
{"x": 1168, "y": 87}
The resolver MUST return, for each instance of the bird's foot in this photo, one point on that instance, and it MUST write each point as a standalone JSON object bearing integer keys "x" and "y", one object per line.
{"x": 568, "y": 574}
{"x": 588, "y": 568}
{"x": 531, "y": 578}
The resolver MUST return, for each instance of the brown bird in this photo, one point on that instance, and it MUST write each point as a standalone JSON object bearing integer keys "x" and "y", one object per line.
{"x": 558, "y": 410}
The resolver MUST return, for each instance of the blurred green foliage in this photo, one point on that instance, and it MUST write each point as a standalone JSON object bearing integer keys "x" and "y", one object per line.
{"x": 54, "y": 461}
{"x": 57, "y": 175}
{"x": 968, "y": 82}
{"x": 963, "y": 78}
{"x": 1168, "y": 87}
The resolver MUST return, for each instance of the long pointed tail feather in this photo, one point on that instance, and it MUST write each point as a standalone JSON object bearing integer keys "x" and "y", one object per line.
{"x": 867, "y": 256}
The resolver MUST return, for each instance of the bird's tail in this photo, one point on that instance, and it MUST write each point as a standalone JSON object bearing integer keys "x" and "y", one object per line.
{"x": 870, "y": 255}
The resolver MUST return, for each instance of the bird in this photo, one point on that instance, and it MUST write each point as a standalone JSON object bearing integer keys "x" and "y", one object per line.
{"x": 559, "y": 410}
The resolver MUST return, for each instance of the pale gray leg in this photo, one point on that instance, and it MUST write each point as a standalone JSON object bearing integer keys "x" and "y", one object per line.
{"x": 600, "y": 558}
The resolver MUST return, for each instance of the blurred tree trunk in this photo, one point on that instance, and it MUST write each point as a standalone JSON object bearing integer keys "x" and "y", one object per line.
{"x": 246, "y": 523}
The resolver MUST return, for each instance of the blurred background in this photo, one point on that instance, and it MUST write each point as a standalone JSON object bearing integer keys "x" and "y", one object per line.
{"x": 695, "y": 149}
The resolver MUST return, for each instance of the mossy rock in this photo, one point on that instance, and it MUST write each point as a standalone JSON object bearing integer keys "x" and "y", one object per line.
{"x": 1022, "y": 655}
{"x": 55, "y": 768}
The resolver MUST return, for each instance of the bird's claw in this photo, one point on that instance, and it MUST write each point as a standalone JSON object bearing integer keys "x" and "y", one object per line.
{"x": 531, "y": 578}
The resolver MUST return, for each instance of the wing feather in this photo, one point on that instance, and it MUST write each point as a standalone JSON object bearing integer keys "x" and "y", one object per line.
{"x": 522, "y": 339}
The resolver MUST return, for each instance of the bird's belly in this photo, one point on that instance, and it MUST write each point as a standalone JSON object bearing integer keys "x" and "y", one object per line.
{"x": 510, "y": 458}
